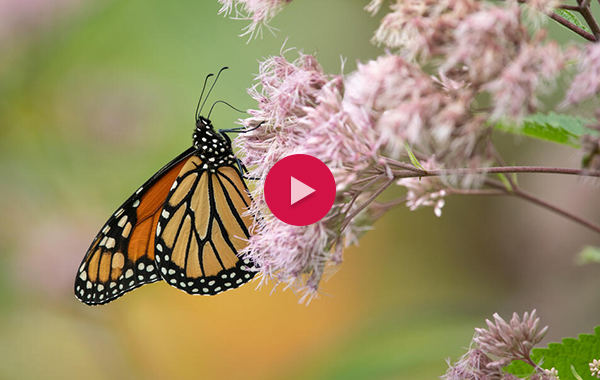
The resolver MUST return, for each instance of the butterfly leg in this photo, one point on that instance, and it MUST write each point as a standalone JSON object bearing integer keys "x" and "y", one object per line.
{"x": 244, "y": 170}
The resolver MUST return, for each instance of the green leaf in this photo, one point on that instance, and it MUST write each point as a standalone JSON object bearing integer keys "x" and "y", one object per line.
{"x": 558, "y": 128}
{"x": 572, "y": 17}
{"x": 571, "y": 358}
{"x": 413, "y": 159}
{"x": 589, "y": 255}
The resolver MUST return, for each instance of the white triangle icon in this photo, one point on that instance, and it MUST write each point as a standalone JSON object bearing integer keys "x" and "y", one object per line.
{"x": 299, "y": 191}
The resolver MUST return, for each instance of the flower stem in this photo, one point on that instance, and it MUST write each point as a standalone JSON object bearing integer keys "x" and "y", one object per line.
{"x": 589, "y": 18}
{"x": 569, "y": 25}
{"x": 517, "y": 192}
{"x": 502, "y": 169}
{"x": 367, "y": 202}
{"x": 577, "y": 219}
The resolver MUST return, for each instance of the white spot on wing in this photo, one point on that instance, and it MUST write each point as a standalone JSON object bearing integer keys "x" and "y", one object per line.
{"x": 110, "y": 243}
{"x": 129, "y": 273}
{"x": 122, "y": 221}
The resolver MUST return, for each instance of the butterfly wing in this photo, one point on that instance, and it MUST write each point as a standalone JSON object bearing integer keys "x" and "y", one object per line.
{"x": 121, "y": 257}
{"x": 202, "y": 228}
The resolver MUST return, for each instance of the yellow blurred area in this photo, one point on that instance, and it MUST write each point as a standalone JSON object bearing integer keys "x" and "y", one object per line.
{"x": 96, "y": 96}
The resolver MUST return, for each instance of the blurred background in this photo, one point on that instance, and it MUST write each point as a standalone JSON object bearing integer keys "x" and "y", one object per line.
{"x": 96, "y": 96}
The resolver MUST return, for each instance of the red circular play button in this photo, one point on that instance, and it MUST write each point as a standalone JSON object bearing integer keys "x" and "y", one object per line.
{"x": 300, "y": 190}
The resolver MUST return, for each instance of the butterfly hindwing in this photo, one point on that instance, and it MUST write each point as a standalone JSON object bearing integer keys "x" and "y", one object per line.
{"x": 121, "y": 257}
{"x": 202, "y": 227}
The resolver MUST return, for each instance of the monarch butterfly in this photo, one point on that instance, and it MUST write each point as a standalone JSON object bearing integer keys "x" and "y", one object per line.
{"x": 185, "y": 225}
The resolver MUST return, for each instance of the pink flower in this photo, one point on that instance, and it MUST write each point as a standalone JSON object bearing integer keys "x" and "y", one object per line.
{"x": 394, "y": 98}
{"x": 486, "y": 42}
{"x": 421, "y": 27}
{"x": 426, "y": 191}
{"x": 474, "y": 366}
{"x": 533, "y": 71}
{"x": 587, "y": 82}
{"x": 260, "y": 12}
{"x": 303, "y": 111}
{"x": 402, "y": 104}
{"x": 513, "y": 340}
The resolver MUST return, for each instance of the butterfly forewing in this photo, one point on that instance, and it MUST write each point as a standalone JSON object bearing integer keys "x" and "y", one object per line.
{"x": 121, "y": 257}
{"x": 202, "y": 227}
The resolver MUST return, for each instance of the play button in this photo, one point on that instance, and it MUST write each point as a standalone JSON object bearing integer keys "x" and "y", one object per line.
{"x": 299, "y": 190}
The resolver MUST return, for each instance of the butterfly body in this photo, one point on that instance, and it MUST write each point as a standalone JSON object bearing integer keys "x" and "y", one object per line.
{"x": 185, "y": 225}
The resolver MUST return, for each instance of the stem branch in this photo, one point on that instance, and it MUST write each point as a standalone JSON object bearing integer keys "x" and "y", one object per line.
{"x": 535, "y": 200}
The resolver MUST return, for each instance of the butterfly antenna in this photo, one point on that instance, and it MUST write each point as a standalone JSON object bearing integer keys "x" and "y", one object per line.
{"x": 197, "y": 115}
{"x": 212, "y": 86}
{"x": 227, "y": 104}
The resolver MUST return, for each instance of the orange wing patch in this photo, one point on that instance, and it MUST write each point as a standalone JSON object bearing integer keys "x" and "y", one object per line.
{"x": 142, "y": 238}
{"x": 121, "y": 258}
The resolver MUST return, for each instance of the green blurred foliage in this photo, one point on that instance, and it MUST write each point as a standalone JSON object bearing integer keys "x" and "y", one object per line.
{"x": 93, "y": 102}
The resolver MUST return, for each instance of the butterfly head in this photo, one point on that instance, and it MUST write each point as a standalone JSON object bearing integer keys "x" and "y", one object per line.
{"x": 211, "y": 145}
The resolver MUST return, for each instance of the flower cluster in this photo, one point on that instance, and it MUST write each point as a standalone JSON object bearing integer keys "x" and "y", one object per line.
{"x": 511, "y": 340}
{"x": 486, "y": 46}
{"x": 421, "y": 28}
{"x": 374, "y": 126}
{"x": 359, "y": 126}
{"x": 505, "y": 342}
{"x": 429, "y": 191}
{"x": 595, "y": 368}
{"x": 301, "y": 110}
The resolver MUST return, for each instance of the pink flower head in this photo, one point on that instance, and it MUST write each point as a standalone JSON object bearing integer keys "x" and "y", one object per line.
{"x": 485, "y": 42}
{"x": 304, "y": 111}
{"x": 402, "y": 104}
{"x": 533, "y": 71}
{"x": 587, "y": 82}
{"x": 420, "y": 27}
{"x": 511, "y": 340}
{"x": 427, "y": 191}
{"x": 394, "y": 98}
{"x": 259, "y": 12}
